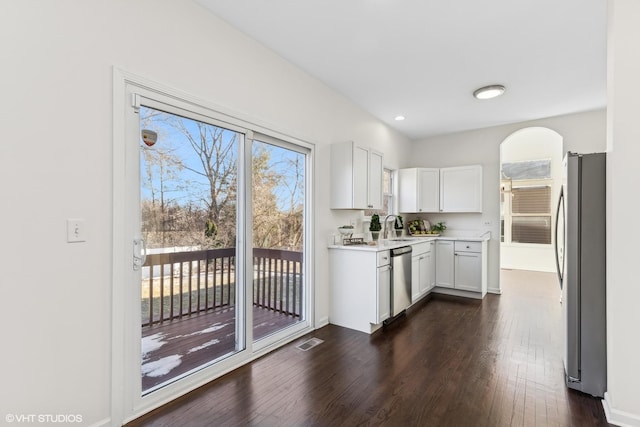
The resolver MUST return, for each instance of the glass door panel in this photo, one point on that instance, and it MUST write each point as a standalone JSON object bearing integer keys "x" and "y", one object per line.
{"x": 188, "y": 206}
{"x": 279, "y": 180}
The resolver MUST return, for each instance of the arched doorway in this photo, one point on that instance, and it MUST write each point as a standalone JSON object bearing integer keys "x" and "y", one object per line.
{"x": 530, "y": 181}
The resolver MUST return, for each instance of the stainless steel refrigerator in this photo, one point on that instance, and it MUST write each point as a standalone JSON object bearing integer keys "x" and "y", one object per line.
{"x": 580, "y": 239}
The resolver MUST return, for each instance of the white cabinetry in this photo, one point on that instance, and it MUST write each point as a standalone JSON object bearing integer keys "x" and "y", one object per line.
{"x": 423, "y": 269}
{"x": 420, "y": 255}
{"x": 444, "y": 264}
{"x": 419, "y": 190}
{"x": 383, "y": 292}
{"x": 461, "y": 189}
{"x": 461, "y": 266}
{"x": 455, "y": 189}
{"x": 431, "y": 262}
{"x": 374, "y": 184}
{"x": 468, "y": 266}
{"x": 356, "y": 177}
{"x": 359, "y": 288}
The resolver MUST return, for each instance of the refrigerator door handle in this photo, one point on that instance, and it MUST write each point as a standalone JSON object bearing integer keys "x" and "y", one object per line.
{"x": 560, "y": 268}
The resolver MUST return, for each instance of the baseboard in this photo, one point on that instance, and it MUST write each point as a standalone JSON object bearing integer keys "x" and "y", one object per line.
{"x": 322, "y": 322}
{"x": 494, "y": 290}
{"x": 619, "y": 418}
{"x": 457, "y": 293}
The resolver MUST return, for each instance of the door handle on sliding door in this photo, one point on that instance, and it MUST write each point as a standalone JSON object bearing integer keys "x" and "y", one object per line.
{"x": 139, "y": 253}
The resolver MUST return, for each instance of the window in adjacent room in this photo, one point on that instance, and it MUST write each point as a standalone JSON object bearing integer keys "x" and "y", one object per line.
{"x": 526, "y": 202}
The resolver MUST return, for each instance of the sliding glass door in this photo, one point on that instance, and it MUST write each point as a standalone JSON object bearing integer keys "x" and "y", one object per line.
{"x": 188, "y": 209}
{"x": 279, "y": 181}
{"x": 211, "y": 245}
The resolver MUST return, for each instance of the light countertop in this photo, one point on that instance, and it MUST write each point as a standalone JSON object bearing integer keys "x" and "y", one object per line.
{"x": 385, "y": 244}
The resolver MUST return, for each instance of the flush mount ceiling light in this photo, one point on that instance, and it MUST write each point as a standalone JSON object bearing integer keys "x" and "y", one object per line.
{"x": 399, "y": 118}
{"x": 489, "y": 92}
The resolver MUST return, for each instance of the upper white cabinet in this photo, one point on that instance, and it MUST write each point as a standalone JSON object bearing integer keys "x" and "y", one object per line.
{"x": 356, "y": 177}
{"x": 461, "y": 189}
{"x": 455, "y": 189}
{"x": 374, "y": 187}
{"x": 419, "y": 190}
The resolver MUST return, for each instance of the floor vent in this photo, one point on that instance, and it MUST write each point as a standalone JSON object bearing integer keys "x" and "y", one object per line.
{"x": 309, "y": 344}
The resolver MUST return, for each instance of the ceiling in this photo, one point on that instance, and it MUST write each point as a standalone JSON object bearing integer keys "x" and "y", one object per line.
{"x": 423, "y": 58}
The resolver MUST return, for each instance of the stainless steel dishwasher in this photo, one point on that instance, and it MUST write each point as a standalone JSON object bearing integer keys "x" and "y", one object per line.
{"x": 400, "y": 279}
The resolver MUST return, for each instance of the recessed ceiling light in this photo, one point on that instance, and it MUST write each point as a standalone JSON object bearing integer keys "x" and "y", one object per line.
{"x": 399, "y": 118}
{"x": 489, "y": 92}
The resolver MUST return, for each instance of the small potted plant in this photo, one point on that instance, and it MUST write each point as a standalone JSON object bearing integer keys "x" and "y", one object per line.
{"x": 438, "y": 228}
{"x": 375, "y": 226}
{"x": 398, "y": 225}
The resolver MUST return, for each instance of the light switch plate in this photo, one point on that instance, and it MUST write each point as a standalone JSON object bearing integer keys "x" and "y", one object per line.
{"x": 76, "y": 230}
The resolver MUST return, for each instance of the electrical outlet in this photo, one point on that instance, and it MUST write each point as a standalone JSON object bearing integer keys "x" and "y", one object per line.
{"x": 76, "y": 230}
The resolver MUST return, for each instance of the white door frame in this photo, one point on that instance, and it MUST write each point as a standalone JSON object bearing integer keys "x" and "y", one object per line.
{"x": 127, "y": 402}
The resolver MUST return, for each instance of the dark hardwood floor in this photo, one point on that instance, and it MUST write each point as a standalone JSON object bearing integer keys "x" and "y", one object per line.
{"x": 450, "y": 362}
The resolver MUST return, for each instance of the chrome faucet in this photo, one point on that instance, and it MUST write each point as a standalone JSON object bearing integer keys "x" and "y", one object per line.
{"x": 385, "y": 231}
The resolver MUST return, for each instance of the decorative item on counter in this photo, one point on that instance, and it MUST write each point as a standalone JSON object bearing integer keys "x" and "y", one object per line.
{"x": 346, "y": 230}
{"x": 375, "y": 227}
{"x": 398, "y": 225}
{"x": 417, "y": 227}
{"x": 438, "y": 228}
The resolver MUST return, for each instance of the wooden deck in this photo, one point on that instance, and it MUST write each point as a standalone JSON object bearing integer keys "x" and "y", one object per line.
{"x": 174, "y": 348}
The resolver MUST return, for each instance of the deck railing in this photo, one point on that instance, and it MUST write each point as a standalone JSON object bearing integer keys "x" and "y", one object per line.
{"x": 181, "y": 284}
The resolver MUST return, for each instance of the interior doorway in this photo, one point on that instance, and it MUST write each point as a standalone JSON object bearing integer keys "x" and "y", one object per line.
{"x": 530, "y": 181}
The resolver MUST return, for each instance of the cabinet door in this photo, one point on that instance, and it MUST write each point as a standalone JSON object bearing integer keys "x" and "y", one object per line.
{"x": 383, "y": 294}
{"x": 415, "y": 278}
{"x": 432, "y": 265}
{"x": 429, "y": 190}
{"x": 468, "y": 271}
{"x": 444, "y": 264}
{"x": 360, "y": 177}
{"x": 408, "y": 190}
{"x": 375, "y": 180}
{"x": 461, "y": 189}
{"x": 424, "y": 273}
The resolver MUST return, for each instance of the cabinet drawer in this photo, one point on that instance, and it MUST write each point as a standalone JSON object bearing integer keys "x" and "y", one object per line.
{"x": 461, "y": 246}
{"x": 420, "y": 248}
{"x": 383, "y": 258}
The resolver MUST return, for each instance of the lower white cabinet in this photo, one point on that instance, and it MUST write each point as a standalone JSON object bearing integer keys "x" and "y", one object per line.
{"x": 359, "y": 288}
{"x": 444, "y": 264}
{"x": 468, "y": 266}
{"x": 422, "y": 269}
{"x": 431, "y": 265}
{"x": 383, "y": 297}
{"x": 462, "y": 266}
{"x": 360, "y": 279}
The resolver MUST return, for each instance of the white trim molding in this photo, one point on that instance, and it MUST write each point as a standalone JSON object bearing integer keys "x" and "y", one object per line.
{"x": 617, "y": 417}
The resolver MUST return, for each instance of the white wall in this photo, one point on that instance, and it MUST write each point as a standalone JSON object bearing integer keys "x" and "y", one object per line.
{"x": 534, "y": 143}
{"x": 583, "y": 132}
{"x": 56, "y": 163}
{"x": 622, "y": 400}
